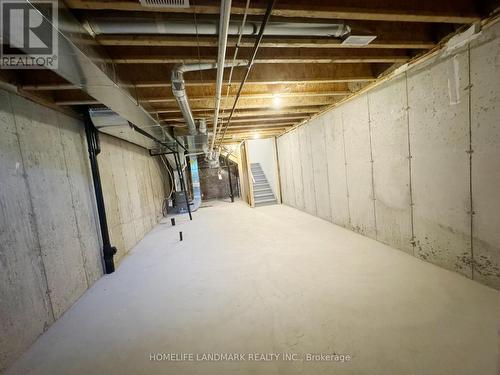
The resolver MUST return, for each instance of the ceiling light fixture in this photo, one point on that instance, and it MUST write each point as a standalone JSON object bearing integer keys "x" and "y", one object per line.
{"x": 276, "y": 101}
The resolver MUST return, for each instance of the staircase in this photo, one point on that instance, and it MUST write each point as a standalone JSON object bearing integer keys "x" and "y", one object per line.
{"x": 262, "y": 193}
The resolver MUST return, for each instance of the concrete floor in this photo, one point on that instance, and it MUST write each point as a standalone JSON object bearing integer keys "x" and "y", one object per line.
{"x": 273, "y": 280}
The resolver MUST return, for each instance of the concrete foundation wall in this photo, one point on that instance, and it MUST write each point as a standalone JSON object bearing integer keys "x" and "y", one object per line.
{"x": 414, "y": 162}
{"x": 50, "y": 251}
{"x": 134, "y": 186}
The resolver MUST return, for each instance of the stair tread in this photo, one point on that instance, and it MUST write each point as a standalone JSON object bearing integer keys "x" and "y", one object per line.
{"x": 265, "y": 200}
{"x": 264, "y": 196}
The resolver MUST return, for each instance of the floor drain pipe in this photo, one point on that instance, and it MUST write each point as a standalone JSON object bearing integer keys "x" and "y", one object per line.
{"x": 108, "y": 251}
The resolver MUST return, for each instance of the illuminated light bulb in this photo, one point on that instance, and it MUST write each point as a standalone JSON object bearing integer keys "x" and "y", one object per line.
{"x": 276, "y": 101}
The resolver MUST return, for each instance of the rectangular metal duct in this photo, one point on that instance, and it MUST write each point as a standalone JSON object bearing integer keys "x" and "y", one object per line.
{"x": 109, "y": 122}
{"x": 166, "y": 3}
{"x": 83, "y": 63}
{"x": 359, "y": 40}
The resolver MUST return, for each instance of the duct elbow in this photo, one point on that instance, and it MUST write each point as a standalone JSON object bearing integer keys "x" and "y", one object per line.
{"x": 202, "y": 126}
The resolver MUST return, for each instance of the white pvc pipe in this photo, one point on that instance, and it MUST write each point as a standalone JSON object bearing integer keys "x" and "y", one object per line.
{"x": 225, "y": 14}
{"x": 158, "y": 25}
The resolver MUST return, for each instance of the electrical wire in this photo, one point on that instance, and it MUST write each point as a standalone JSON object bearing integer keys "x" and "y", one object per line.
{"x": 198, "y": 46}
{"x": 171, "y": 178}
{"x": 267, "y": 16}
{"x": 240, "y": 35}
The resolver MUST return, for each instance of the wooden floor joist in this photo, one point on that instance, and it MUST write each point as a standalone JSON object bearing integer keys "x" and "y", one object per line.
{"x": 307, "y": 73}
{"x": 331, "y": 43}
{"x": 423, "y": 11}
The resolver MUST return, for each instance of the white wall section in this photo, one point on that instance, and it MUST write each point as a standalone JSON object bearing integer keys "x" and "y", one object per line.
{"x": 439, "y": 139}
{"x": 263, "y": 151}
{"x": 391, "y": 170}
{"x": 358, "y": 161}
{"x": 337, "y": 181}
{"x": 307, "y": 168}
{"x": 415, "y": 161}
{"x": 485, "y": 143}
{"x": 320, "y": 169}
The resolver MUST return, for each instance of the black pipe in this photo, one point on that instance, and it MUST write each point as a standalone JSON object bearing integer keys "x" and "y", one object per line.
{"x": 267, "y": 16}
{"x": 94, "y": 149}
{"x": 231, "y": 194}
{"x": 147, "y": 135}
{"x": 183, "y": 184}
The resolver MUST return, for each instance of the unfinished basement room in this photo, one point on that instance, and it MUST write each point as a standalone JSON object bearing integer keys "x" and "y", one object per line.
{"x": 250, "y": 187}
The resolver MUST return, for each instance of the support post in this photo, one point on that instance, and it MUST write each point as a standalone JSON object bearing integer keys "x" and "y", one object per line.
{"x": 231, "y": 194}
{"x": 183, "y": 184}
{"x": 94, "y": 148}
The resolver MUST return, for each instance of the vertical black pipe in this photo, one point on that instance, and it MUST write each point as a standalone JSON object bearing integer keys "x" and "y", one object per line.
{"x": 183, "y": 184}
{"x": 94, "y": 149}
{"x": 231, "y": 194}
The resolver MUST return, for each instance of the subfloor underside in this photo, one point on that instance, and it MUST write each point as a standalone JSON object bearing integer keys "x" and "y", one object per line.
{"x": 272, "y": 280}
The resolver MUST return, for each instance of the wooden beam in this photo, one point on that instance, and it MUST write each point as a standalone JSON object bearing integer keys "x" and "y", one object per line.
{"x": 160, "y": 87}
{"x": 9, "y": 81}
{"x": 259, "y": 123}
{"x": 158, "y": 75}
{"x": 189, "y": 55}
{"x": 185, "y": 41}
{"x": 258, "y": 129}
{"x": 249, "y": 96}
{"x": 236, "y": 119}
{"x": 240, "y": 127}
{"x": 423, "y": 11}
{"x": 258, "y": 103}
{"x": 252, "y": 134}
{"x": 148, "y": 59}
{"x": 251, "y": 111}
{"x": 255, "y": 130}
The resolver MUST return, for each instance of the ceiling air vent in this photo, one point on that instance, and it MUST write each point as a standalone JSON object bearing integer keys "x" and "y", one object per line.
{"x": 165, "y": 3}
{"x": 358, "y": 40}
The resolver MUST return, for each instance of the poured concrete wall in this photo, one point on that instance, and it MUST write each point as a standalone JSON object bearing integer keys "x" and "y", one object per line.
{"x": 49, "y": 246}
{"x": 414, "y": 162}
{"x": 50, "y": 251}
{"x": 134, "y": 186}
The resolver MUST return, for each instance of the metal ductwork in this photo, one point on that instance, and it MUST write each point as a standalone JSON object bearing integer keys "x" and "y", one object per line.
{"x": 179, "y": 91}
{"x": 162, "y": 25}
{"x": 109, "y": 122}
{"x": 178, "y": 84}
{"x": 83, "y": 64}
{"x": 202, "y": 126}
